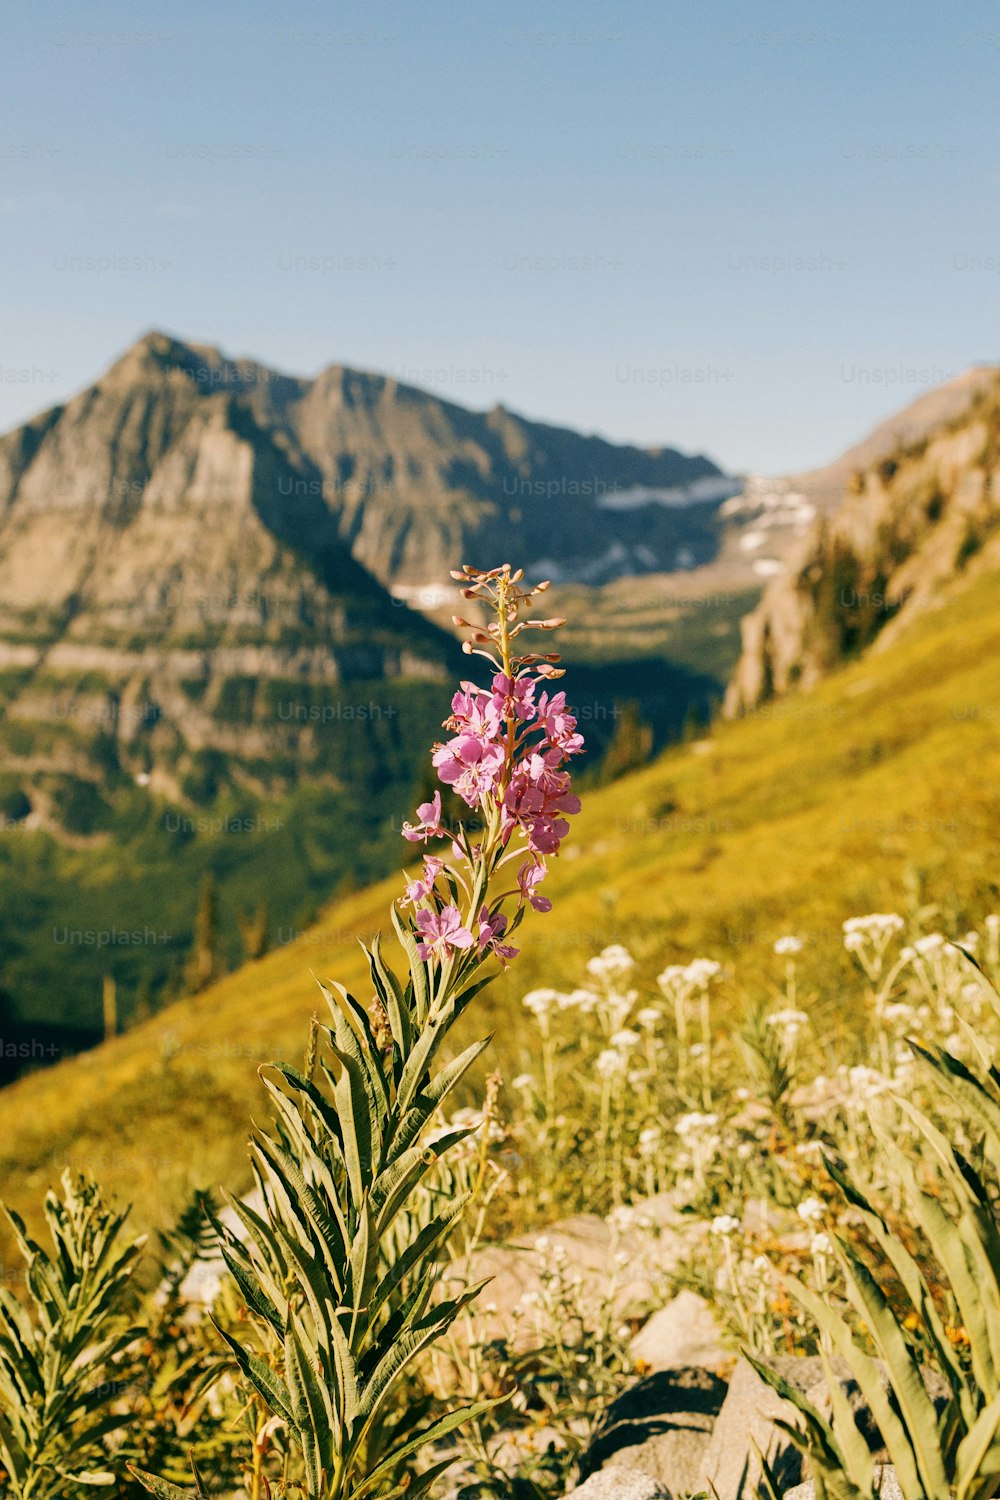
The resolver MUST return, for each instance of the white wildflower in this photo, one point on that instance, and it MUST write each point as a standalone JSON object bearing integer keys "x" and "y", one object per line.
{"x": 610, "y": 1063}
{"x": 578, "y": 999}
{"x": 541, "y": 1002}
{"x": 673, "y": 978}
{"x": 811, "y": 1210}
{"x": 790, "y": 1022}
{"x": 786, "y": 946}
{"x": 724, "y": 1225}
{"x": 614, "y": 962}
{"x": 877, "y": 925}
{"x": 695, "y": 1124}
{"x": 701, "y": 970}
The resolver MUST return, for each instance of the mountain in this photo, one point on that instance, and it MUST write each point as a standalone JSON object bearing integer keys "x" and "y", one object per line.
{"x": 918, "y": 502}
{"x": 879, "y": 794}
{"x": 407, "y": 482}
{"x": 208, "y": 665}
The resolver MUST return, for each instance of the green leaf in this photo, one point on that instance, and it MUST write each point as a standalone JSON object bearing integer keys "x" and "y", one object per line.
{"x": 418, "y": 969}
{"x": 160, "y": 1487}
{"x": 869, "y": 1378}
{"x": 391, "y": 994}
{"x": 426, "y": 1439}
{"x": 915, "y": 1286}
{"x": 263, "y": 1379}
{"x": 431, "y": 1098}
{"x": 916, "y": 1407}
{"x": 428, "y": 1240}
{"x": 977, "y": 1465}
{"x": 311, "y": 1409}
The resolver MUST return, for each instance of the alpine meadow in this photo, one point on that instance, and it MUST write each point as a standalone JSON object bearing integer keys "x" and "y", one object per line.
{"x": 499, "y": 753}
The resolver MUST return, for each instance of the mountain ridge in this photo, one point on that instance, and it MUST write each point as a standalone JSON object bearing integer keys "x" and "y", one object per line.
{"x": 414, "y": 481}
{"x": 919, "y": 501}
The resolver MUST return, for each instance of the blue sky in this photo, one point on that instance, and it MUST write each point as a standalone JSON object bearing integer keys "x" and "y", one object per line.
{"x": 752, "y": 231}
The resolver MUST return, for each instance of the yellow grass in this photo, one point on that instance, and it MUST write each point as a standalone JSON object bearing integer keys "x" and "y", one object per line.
{"x": 879, "y": 789}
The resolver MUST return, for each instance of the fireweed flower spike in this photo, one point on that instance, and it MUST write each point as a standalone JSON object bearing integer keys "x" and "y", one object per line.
{"x": 338, "y": 1270}
{"x": 506, "y": 758}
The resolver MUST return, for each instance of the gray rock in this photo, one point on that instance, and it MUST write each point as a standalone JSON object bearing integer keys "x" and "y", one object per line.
{"x": 619, "y": 1484}
{"x": 747, "y": 1423}
{"x": 655, "y": 1239}
{"x": 660, "y": 1427}
{"x": 682, "y": 1333}
{"x": 886, "y": 1483}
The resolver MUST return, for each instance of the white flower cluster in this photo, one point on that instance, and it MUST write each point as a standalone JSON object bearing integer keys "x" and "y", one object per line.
{"x": 681, "y": 979}
{"x": 611, "y": 964}
{"x": 869, "y": 937}
{"x": 542, "y": 1003}
{"x": 925, "y": 947}
{"x": 611, "y": 1063}
{"x": 724, "y": 1225}
{"x": 879, "y": 925}
{"x": 865, "y": 1083}
{"x": 789, "y": 1023}
{"x": 695, "y": 1124}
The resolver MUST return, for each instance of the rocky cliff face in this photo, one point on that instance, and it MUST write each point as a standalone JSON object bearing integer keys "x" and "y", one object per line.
{"x": 195, "y": 547}
{"x": 920, "y": 506}
{"x": 170, "y": 576}
{"x": 410, "y": 484}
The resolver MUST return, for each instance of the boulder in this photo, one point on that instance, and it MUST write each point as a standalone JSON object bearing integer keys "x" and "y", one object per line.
{"x": 633, "y": 1253}
{"x": 886, "y": 1483}
{"x": 619, "y": 1484}
{"x": 685, "y": 1332}
{"x": 746, "y": 1423}
{"x": 660, "y": 1427}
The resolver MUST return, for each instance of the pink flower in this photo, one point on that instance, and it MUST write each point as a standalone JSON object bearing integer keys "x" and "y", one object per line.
{"x": 416, "y": 890}
{"x": 560, "y": 726}
{"x": 442, "y": 933}
{"x": 491, "y": 929}
{"x": 530, "y": 875}
{"x": 535, "y": 802}
{"x": 514, "y": 699}
{"x": 475, "y": 712}
{"x": 469, "y": 764}
{"x": 429, "y": 826}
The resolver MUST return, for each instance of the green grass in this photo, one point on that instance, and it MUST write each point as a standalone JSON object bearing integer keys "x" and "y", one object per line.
{"x": 880, "y": 791}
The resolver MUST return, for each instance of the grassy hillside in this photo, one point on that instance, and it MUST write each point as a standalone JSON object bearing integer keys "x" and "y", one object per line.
{"x": 322, "y": 809}
{"x": 879, "y": 791}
